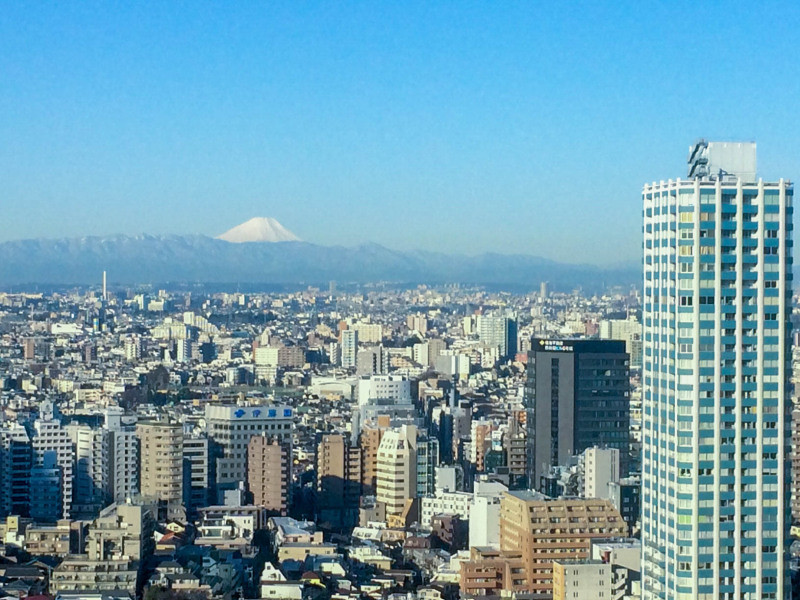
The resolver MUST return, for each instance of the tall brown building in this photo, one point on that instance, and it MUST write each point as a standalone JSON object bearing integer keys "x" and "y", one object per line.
{"x": 161, "y": 472}
{"x": 515, "y": 446}
{"x": 269, "y": 472}
{"x": 481, "y": 442}
{"x": 29, "y": 348}
{"x": 533, "y": 533}
{"x": 370, "y": 440}
{"x": 338, "y": 482}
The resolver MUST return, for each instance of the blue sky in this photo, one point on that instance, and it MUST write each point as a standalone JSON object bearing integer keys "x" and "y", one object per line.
{"x": 459, "y": 127}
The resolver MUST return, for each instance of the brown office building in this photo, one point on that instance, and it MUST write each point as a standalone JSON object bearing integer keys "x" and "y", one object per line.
{"x": 370, "y": 440}
{"x": 269, "y": 472}
{"x": 338, "y": 482}
{"x": 535, "y": 532}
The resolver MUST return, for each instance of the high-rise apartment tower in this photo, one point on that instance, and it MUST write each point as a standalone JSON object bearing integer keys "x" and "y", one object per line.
{"x": 717, "y": 284}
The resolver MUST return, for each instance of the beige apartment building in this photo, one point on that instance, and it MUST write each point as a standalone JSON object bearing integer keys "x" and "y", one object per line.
{"x": 534, "y": 534}
{"x": 397, "y": 469}
{"x": 117, "y": 544}
{"x": 161, "y": 474}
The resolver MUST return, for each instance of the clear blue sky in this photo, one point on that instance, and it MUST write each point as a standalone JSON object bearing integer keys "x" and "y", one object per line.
{"x": 460, "y": 127}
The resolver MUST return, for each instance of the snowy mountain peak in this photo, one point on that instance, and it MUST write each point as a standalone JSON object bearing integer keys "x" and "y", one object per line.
{"x": 259, "y": 229}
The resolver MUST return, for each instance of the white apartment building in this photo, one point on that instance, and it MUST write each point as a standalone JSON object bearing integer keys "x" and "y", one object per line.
{"x": 717, "y": 283}
{"x": 457, "y": 504}
{"x": 51, "y": 438}
{"x": 599, "y": 467}
{"x": 384, "y": 388}
{"x": 349, "y": 348}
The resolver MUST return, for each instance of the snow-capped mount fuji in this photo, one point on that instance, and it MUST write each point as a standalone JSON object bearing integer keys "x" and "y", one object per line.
{"x": 259, "y": 229}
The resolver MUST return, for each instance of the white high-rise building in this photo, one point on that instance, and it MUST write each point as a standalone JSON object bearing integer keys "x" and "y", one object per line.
{"x": 397, "y": 468}
{"x": 484, "y": 515}
{"x": 630, "y": 331}
{"x": 498, "y": 331}
{"x": 133, "y": 348}
{"x": 123, "y": 457}
{"x": 349, "y": 348}
{"x": 91, "y": 469}
{"x": 717, "y": 282}
{"x": 52, "y": 448}
{"x": 184, "y": 350}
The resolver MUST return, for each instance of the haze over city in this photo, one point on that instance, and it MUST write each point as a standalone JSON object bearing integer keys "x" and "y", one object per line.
{"x": 448, "y": 128}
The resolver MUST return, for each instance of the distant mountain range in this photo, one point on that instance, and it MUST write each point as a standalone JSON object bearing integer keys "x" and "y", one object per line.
{"x": 202, "y": 259}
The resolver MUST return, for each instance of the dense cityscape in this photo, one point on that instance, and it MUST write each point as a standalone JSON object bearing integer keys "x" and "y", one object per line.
{"x": 420, "y": 441}
{"x": 399, "y": 301}
{"x": 369, "y": 434}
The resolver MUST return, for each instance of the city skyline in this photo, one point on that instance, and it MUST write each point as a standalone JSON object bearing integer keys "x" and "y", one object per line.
{"x": 440, "y": 301}
{"x": 511, "y": 131}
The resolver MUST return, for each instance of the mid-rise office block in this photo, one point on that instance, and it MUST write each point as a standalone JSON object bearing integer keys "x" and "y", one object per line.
{"x": 369, "y": 441}
{"x": 515, "y": 446}
{"x": 716, "y": 393}
{"x": 625, "y": 495}
{"x": 581, "y": 580}
{"x": 600, "y": 468}
{"x": 427, "y": 462}
{"x": 230, "y": 428}
{"x": 577, "y": 396}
